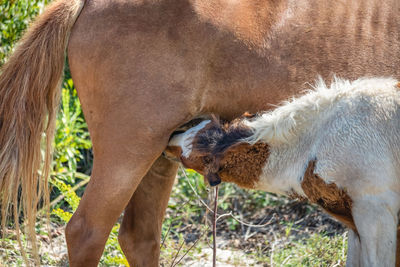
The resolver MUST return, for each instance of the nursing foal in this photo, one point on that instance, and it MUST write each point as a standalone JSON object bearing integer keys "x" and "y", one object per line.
{"x": 338, "y": 147}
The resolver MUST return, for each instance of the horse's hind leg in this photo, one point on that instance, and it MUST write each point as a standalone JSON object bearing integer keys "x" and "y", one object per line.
{"x": 113, "y": 181}
{"x": 125, "y": 146}
{"x": 141, "y": 227}
{"x": 133, "y": 98}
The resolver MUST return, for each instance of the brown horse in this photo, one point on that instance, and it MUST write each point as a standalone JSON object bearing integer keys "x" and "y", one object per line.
{"x": 143, "y": 68}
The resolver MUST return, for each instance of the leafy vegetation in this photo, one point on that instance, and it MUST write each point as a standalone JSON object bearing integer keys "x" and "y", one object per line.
{"x": 14, "y": 18}
{"x": 285, "y": 241}
{"x": 318, "y": 250}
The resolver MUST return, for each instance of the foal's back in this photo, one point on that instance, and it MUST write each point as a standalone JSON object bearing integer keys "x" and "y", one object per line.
{"x": 357, "y": 140}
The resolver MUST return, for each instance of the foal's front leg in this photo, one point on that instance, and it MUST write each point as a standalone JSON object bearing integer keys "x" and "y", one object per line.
{"x": 376, "y": 221}
{"x": 354, "y": 250}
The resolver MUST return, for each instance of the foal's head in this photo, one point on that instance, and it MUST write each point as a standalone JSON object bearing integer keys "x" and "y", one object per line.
{"x": 217, "y": 150}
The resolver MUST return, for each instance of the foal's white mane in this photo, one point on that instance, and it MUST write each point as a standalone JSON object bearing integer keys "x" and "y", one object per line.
{"x": 283, "y": 123}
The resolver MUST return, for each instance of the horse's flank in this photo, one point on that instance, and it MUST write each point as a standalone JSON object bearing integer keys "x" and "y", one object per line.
{"x": 250, "y": 21}
{"x": 208, "y": 62}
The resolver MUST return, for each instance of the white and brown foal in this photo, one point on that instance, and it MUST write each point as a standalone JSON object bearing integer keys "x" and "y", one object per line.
{"x": 338, "y": 147}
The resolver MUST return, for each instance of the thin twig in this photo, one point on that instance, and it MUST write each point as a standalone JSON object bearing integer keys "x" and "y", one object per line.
{"x": 166, "y": 235}
{"x": 216, "y": 217}
{"x": 194, "y": 191}
{"x": 273, "y": 249}
{"x": 190, "y": 248}
{"x": 177, "y": 253}
{"x": 215, "y": 228}
{"x": 288, "y": 258}
{"x": 252, "y": 225}
{"x": 247, "y": 235}
{"x": 170, "y": 225}
{"x": 222, "y": 215}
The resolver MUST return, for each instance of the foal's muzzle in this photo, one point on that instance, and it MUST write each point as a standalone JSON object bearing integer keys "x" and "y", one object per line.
{"x": 213, "y": 179}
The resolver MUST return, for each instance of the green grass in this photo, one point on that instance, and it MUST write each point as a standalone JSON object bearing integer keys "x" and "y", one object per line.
{"x": 317, "y": 250}
{"x": 291, "y": 246}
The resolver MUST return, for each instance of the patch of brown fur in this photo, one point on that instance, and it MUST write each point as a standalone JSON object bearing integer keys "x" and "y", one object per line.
{"x": 219, "y": 154}
{"x": 224, "y": 156}
{"x": 330, "y": 197}
{"x": 243, "y": 163}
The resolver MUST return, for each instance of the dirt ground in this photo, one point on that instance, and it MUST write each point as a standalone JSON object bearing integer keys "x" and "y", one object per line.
{"x": 287, "y": 221}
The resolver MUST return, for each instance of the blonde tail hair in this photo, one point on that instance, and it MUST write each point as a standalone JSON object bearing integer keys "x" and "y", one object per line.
{"x": 29, "y": 98}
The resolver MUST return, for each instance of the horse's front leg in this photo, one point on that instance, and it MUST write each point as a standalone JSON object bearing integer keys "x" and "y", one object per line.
{"x": 140, "y": 231}
{"x": 376, "y": 219}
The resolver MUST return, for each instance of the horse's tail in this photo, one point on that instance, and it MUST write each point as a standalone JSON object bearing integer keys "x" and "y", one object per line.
{"x": 29, "y": 98}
